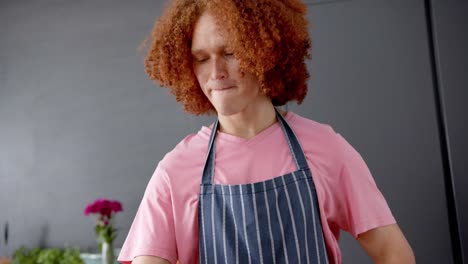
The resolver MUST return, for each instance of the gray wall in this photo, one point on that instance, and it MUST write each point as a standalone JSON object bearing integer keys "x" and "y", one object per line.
{"x": 80, "y": 120}
{"x": 450, "y": 29}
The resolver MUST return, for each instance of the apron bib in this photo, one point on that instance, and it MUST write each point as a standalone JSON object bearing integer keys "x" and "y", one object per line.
{"x": 274, "y": 221}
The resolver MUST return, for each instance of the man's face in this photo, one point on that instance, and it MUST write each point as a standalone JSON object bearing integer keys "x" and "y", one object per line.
{"x": 217, "y": 70}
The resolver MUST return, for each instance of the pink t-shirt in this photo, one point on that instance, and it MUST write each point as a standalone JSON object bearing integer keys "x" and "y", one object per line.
{"x": 166, "y": 223}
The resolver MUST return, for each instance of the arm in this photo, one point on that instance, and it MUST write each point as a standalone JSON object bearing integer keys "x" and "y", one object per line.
{"x": 152, "y": 232}
{"x": 149, "y": 260}
{"x": 387, "y": 245}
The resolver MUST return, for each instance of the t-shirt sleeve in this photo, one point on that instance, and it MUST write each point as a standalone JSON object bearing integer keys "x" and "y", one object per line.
{"x": 152, "y": 230}
{"x": 360, "y": 206}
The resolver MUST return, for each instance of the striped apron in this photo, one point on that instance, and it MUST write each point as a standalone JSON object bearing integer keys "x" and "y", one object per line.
{"x": 274, "y": 221}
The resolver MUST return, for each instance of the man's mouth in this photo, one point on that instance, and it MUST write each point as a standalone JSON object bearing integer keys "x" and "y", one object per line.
{"x": 221, "y": 89}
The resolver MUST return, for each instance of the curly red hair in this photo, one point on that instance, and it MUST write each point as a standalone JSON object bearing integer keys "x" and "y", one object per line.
{"x": 269, "y": 38}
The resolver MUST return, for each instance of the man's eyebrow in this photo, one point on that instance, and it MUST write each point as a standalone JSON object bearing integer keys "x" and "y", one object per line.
{"x": 201, "y": 51}
{"x": 197, "y": 51}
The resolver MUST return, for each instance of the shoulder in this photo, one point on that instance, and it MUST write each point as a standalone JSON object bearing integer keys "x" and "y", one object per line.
{"x": 189, "y": 152}
{"x": 303, "y": 123}
{"x": 313, "y": 134}
{"x": 179, "y": 164}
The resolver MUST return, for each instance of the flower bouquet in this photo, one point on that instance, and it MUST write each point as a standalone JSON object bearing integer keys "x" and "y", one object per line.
{"x": 104, "y": 211}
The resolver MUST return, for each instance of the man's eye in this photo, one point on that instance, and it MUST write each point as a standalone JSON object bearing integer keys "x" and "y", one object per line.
{"x": 201, "y": 59}
{"x": 229, "y": 54}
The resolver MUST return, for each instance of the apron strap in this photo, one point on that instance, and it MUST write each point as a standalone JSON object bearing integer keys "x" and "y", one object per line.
{"x": 208, "y": 170}
{"x": 293, "y": 143}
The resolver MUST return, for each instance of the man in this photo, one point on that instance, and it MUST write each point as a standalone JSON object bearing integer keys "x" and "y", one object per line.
{"x": 259, "y": 185}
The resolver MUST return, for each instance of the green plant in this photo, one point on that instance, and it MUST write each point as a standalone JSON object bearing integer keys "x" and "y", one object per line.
{"x": 36, "y": 255}
{"x": 50, "y": 256}
{"x": 24, "y": 255}
{"x": 72, "y": 256}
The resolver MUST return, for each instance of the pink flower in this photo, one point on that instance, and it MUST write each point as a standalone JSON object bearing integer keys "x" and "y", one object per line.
{"x": 103, "y": 207}
{"x": 116, "y": 206}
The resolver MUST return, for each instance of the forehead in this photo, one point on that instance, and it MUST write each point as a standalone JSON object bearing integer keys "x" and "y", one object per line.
{"x": 208, "y": 33}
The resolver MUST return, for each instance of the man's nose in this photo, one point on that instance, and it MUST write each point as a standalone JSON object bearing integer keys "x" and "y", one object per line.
{"x": 218, "y": 69}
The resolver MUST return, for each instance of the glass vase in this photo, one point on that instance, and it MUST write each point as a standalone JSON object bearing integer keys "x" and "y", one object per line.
{"x": 107, "y": 253}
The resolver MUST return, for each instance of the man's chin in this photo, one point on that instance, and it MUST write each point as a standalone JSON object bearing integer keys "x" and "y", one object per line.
{"x": 227, "y": 111}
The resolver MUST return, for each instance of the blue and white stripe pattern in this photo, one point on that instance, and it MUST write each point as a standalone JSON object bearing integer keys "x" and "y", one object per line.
{"x": 274, "y": 221}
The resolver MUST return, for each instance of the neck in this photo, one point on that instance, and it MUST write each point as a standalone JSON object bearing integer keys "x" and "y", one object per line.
{"x": 249, "y": 122}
